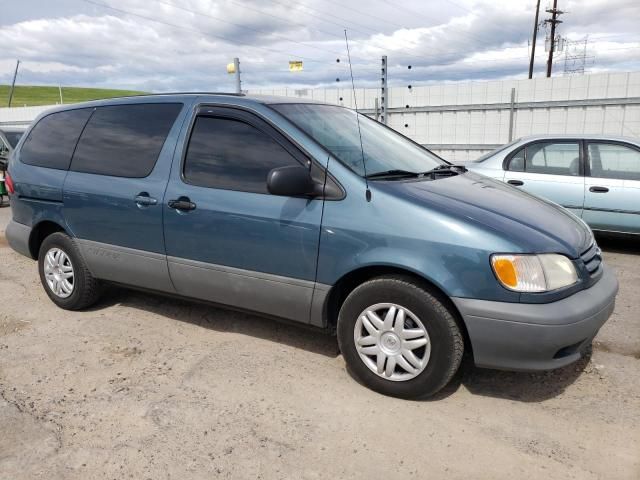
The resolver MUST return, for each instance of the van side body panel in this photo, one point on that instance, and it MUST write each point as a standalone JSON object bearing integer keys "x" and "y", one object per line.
{"x": 122, "y": 240}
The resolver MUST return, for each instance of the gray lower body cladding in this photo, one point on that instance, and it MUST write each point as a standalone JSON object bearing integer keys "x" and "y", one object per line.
{"x": 17, "y": 236}
{"x": 530, "y": 337}
{"x": 511, "y": 336}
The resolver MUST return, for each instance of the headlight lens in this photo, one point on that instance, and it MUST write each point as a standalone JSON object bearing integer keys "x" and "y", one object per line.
{"x": 534, "y": 273}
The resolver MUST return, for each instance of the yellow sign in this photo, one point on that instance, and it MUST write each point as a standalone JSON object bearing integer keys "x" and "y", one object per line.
{"x": 295, "y": 65}
{"x": 231, "y": 68}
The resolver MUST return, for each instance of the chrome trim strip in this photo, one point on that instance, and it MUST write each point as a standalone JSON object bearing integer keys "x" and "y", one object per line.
{"x": 612, "y": 210}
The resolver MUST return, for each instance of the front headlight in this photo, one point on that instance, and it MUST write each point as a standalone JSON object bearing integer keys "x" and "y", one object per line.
{"x": 534, "y": 273}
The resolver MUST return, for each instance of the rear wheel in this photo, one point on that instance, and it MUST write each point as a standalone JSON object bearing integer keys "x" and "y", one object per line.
{"x": 398, "y": 338}
{"x": 64, "y": 275}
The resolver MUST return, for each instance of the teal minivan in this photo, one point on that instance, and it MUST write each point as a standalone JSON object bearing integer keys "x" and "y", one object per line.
{"x": 310, "y": 213}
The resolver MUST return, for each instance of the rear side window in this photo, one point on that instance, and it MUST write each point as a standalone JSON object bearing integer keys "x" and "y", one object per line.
{"x": 52, "y": 140}
{"x": 609, "y": 160}
{"x": 553, "y": 158}
{"x": 232, "y": 155}
{"x": 124, "y": 140}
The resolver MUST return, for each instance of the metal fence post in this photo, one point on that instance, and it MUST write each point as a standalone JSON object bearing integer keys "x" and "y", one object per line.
{"x": 384, "y": 91}
{"x": 512, "y": 109}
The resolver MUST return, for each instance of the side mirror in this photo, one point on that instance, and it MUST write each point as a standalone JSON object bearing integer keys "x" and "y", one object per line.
{"x": 292, "y": 182}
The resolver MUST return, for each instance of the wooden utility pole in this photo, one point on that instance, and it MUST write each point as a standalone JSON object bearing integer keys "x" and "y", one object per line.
{"x": 13, "y": 83}
{"x": 533, "y": 41}
{"x": 553, "y": 21}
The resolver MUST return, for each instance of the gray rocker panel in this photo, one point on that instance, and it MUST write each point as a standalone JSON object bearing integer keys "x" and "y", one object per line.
{"x": 127, "y": 265}
{"x": 284, "y": 297}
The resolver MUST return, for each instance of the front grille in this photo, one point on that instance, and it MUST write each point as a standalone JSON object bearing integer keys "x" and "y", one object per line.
{"x": 592, "y": 258}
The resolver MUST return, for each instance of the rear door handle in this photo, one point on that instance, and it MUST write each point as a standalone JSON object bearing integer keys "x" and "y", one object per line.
{"x": 599, "y": 189}
{"x": 182, "y": 203}
{"x": 143, "y": 199}
{"x": 517, "y": 183}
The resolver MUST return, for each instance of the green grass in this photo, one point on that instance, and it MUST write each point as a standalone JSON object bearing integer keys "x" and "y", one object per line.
{"x": 41, "y": 95}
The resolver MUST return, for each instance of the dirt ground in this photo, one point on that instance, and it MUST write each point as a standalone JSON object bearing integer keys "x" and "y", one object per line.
{"x": 148, "y": 387}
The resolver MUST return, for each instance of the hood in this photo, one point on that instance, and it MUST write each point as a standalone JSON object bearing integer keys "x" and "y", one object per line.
{"x": 534, "y": 224}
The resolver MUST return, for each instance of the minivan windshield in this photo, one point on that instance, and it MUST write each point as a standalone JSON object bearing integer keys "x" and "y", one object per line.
{"x": 336, "y": 129}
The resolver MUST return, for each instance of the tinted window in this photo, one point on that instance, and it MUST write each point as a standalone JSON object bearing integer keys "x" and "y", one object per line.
{"x": 553, "y": 158}
{"x": 124, "y": 140}
{"x": 233, "y": 155}
{"x": 608, "y": 160}
{"x": 13, "y": 138}
{"x": 516, "y": 164}
{"x": 51, "y": 142}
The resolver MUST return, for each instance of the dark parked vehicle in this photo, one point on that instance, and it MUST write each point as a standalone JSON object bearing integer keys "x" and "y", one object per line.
{"x": 9, "y": 137}
{"x": 301, "y": 212}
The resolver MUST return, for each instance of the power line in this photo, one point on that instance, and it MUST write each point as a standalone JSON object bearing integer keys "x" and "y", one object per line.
{"x": 468, "y": 35}
{"x": 202, "y": 14}
{"x": 450, "y": 52}
{"x": 341, "y": 25}
{"x": 206, "y": 34}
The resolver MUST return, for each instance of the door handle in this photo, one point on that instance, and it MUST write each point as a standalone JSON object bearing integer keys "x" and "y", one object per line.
{"x": 182, "y": 203}
{"x": 599, "y": 189}
{"x": 143, "y": 199}
{"x": 517, "y": 183}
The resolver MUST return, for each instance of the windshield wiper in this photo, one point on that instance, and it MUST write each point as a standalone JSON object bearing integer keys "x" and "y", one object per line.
{"x": 446, "y": 169}
{"x": 396, "y": 173}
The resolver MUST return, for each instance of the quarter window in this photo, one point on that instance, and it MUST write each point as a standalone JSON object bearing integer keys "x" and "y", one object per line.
{"x": 516, "y": 164}
{"x": 609, "y": 160}
{"x": 52, "y": 140}
{"x": 230, "y": 154}
{"x": 124, "y": 140}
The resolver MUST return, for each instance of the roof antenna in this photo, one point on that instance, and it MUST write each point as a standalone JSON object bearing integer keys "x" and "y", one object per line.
{"x": 355, "y": 102}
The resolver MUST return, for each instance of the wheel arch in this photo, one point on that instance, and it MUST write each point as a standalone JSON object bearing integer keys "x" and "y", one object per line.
{"x": 41, "y": 231}
{"x": 349, "y": 281}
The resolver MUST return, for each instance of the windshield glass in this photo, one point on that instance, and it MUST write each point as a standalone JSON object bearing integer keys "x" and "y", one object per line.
{"x": 336, "y": 129}
{"x": 13, "y": 138}
{"x": 493, "y": 152}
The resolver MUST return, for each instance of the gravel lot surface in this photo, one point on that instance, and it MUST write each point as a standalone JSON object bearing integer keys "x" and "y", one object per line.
{"x": 144, "y": 386}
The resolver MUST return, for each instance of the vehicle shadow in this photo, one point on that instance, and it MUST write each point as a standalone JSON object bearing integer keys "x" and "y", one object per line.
{"x": 618, "y": 244}
{"x": 518, "y": 386}
{"x": 524, "y": 387}
{"x": 223, "y": 320}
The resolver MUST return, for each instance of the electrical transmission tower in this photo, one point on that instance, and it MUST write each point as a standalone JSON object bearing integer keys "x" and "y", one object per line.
{"x": 575, "y": 57}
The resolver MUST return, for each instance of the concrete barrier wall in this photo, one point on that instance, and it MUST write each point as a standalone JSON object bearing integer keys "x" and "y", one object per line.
{"x": 460, "y": 121}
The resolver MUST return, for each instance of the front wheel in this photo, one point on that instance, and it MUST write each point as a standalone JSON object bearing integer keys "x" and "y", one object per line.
{"x": 398, "y": 338}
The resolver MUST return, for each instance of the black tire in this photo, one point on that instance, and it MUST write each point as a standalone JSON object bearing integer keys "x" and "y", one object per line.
{"x": 86, "y": 289}
{"x": 447, "y": 344}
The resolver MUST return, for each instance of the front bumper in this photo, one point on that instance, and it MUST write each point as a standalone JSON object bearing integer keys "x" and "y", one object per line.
{"x": 529, "y": 337}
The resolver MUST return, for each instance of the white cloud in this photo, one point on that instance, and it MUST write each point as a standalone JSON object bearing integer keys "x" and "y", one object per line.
{"x": 152, "y": 45}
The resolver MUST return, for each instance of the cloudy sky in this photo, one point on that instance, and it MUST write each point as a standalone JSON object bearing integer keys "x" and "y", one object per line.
{"x": 169, "y": 45}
